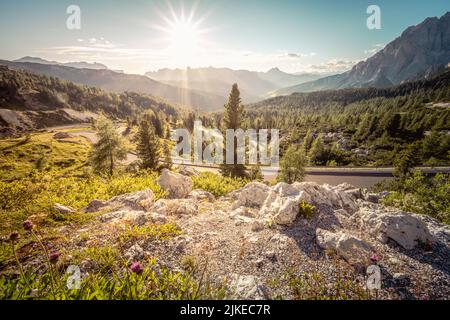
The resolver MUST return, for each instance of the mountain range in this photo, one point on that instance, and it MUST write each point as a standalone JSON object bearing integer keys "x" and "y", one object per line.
{"x": 253, "y": 85}
{"x": 78, "y": 65}
{"x": 420, "y": 52}
{"x": 120, "y": 82}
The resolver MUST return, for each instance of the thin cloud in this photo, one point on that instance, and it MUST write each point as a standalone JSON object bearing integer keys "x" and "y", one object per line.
{"x": 375, "y": 48}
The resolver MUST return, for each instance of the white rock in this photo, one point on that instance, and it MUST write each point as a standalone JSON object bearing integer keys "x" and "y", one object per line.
{"x": 247, "y": 287}
{"x": 137, "y": 218}
{"x": 63, "y": 209}
{"x": 176, "y": 185}
{"x": 347, "y": 246}
{"x": 252, "y": 195}
{"x": 201, "y": 195}
{"x": 134, "y": 253}
{"x": 282, "y": 204}
{"x": 326, "y": 195}
{"x": 142, "y": 200}
{"x": 404, "y": 228}
{"x": 175, "y": 207}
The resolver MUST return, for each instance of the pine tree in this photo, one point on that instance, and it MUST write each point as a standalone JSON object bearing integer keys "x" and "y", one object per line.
{"x": 109, "y": 149}
{"x": 407, "y": 160}
{"x": 256, "y": 173}
{"x": 233, "y": 118}
{"x": 292, "y": 166}
{"x": 308, "y": 140}
{"x": 147, "y": 145}
{"x": 318, "y": 154}
{"x": 167, "y": 156}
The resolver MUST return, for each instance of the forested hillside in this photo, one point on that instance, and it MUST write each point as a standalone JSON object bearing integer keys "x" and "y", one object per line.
{"x": 363, "y": 126}
{"x": 34, "y": 101}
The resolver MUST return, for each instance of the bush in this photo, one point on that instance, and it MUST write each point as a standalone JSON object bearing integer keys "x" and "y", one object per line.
{"x": 292, "y": 166}
{"x": 421, "y": 194}
{"x": 218, "y": 185}
{"x": 306, "y": 210}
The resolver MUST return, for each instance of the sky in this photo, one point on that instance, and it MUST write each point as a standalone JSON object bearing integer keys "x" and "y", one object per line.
{"x": 137, "y": 36}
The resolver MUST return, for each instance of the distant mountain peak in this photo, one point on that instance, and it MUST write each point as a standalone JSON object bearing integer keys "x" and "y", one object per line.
{"x": 275, "y": 70}
{"x": 77, "y": 65}
{"x": 420, "y": 52}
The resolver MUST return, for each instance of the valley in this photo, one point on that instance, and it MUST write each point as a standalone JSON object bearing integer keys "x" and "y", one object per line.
{"x": 97, "y": 202}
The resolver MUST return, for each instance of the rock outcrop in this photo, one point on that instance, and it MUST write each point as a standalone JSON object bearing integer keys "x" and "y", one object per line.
{"x": 349, "y": 247}
{"x": 142, "y": 200}
{"x": 282, "y": 204}
{"x": 404, "y": 228}
{"x": 170, "y": 207}
{"x": 252, "y": 195}
{"x": 201, "y": 195}
{"x": 176, "y": 185}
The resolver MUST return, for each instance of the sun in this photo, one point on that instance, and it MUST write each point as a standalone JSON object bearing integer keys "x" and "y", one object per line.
{"x": 184, "y": 35}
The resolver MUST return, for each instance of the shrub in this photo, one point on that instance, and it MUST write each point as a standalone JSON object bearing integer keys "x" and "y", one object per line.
{"x": 306, "y": 210}
{"x": 421, "y": 194}
{"x": 218, "y": 185}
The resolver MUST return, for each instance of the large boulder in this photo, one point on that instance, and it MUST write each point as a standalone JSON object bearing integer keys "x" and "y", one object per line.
{"x": 404, "y": 228}
{"x": 351, "y": 190}
{"x": 252, "y": 195}
{"x": 327, "y": 195}
{"x": 176, "y": 207}
{"x": 176, "y": 185}
{"x": 347, "y": 246}
{"x": 282, "y": 204}
{"x": 139, "y": 201}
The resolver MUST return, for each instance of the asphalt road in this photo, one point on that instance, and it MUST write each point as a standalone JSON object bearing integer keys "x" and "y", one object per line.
{"x": 363, "y": 177}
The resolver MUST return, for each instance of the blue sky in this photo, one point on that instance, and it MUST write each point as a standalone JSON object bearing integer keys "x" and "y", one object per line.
{"x": 141, "y": 35}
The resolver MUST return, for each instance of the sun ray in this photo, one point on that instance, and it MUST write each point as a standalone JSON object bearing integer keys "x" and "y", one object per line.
{"x": 183, "y": 32}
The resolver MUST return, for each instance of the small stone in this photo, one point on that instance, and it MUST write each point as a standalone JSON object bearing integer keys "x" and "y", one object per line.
{"x": 259, "y": 263}
{"x": 63, "y": 209}
{"x": 258, "y": 225}
{"x": 134, "y": 253}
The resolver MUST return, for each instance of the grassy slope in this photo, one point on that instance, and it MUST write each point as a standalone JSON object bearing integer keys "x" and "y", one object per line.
{"x": 19, "y": 156}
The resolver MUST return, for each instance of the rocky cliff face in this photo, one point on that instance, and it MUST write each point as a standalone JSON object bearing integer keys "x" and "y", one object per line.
{"x": 420, "y": 52}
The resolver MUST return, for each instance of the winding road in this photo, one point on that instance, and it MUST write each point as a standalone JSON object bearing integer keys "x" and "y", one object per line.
{"x": 362, "y": 177}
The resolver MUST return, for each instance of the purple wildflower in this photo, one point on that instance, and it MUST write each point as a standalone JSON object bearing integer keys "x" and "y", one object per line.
{"x": 136, "y": 268}
{"x": 374, "y": 258}
{"x": 54, "y": 256}
{"x": 28, "y": 225}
